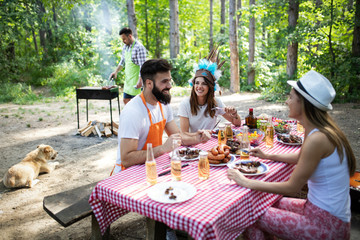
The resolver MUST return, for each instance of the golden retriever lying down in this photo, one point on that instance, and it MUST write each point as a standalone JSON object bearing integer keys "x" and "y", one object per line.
{"x": 24, "y": 173}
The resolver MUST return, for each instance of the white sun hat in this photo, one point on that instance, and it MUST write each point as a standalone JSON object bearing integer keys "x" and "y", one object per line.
{"x": 316, "y": 88}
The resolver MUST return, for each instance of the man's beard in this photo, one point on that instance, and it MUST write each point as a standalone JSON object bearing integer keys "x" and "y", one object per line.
{"x": 163, "y": 98}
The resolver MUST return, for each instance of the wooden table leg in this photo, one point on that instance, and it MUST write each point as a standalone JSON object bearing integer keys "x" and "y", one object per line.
{"x": 95, "y": 230}
{"x": 155, "y": 230}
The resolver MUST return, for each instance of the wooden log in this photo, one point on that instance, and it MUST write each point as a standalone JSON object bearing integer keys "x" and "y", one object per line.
{"x": 94, "y": 131}
{"x": 108, "y": 132}
{"x": 85, "y": 130}
{"x": 88, "y": 132}
{"x": 97, "y": 131}
{"x": 115, "y": 131}
{"x": 102, "y": 128}
{"x": 115, "y": 125}
{"x": 82, "y": 129}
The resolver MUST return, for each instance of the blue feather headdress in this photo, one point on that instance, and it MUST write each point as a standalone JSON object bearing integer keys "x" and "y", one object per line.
{"x": 209, "y": 68}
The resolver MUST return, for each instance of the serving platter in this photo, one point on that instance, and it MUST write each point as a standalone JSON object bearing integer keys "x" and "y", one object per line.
{"x": 223, "y": 164}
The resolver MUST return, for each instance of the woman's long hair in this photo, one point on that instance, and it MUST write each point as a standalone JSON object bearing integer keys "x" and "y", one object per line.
{"x": 210, "y": 99}
{"x": 324, "y": 122}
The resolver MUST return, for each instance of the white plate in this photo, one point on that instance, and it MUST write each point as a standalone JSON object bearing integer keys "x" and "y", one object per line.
{"x": 184, "y": 159}
{"x": 290, "y": 144}
{"x": 182, "y": 190}
{"x": 223, "y": 164}
{"x": 263, "y": 168}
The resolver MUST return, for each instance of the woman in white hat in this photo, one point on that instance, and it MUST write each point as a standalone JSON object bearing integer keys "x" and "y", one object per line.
{"x": 325, "y": 162}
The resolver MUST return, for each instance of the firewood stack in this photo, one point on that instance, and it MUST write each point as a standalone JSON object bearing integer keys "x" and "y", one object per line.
{"x": 100, "y": 129}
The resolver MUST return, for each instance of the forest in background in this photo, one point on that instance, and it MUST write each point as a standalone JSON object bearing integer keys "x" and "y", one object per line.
{"x": 61, "y": 45}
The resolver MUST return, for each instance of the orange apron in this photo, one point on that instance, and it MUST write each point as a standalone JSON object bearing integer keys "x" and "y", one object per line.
{"x": 155, "y": 130}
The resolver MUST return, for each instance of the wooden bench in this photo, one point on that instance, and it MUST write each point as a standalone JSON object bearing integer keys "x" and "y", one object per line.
{"x": 72, "y": 206}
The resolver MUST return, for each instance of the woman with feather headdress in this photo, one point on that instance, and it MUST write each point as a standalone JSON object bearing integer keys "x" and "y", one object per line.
{"x": 201, "y": 109}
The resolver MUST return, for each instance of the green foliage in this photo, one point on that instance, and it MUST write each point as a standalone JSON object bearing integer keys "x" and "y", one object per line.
{"x": 66, "y": 44}
{"x": 18, "y": 93}
{"x": 68, "y": 76}
{"x": 183, "y": 69}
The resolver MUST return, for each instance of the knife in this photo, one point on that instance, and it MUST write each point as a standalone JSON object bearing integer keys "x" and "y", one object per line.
{"x": 169, "y": 171}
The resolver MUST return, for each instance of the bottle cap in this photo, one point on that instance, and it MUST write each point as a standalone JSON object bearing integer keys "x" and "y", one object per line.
{"x": 221, "y": 125}
{"x": 203, "y": 153}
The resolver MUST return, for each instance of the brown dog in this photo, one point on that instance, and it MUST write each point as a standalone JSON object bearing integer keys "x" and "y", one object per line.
{"x": 24, "y": 173}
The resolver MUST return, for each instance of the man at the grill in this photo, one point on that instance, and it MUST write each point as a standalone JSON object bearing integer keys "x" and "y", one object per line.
{"x": 133, "y": 57}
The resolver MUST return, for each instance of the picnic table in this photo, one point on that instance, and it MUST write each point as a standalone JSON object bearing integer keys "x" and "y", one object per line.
{"x": 220, "y": 209}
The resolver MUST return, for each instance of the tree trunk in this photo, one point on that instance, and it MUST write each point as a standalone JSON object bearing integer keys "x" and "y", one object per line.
{"x": 251, "y": 71}
{"x": 42, "y": 30}
{"x": 34, "y": 40}
{"x": 131, "y": 17}
{"x": 157, "y": 37}
{"x": 292, "y": 53}
{"x": 222, "y": 16}
{"x": 356, "y": 33}
{"x": 238, "y": 18}
{"x": 174, "y": 28}
{"x": 55, "y": 24}
{"x": 146, "y": 26}
{"x": 234, "y": 54}
{"x": 355, "y": 82}
{"x": 211, "y": 34}
{"x": 239, "y": 24}
{"x": 331, "y": 50}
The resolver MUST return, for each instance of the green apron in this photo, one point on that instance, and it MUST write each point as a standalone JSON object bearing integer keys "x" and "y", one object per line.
{"x": 131, "y": 74}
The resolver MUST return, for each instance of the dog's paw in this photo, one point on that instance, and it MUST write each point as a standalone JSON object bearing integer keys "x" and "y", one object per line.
{"x": 33, "y": 182}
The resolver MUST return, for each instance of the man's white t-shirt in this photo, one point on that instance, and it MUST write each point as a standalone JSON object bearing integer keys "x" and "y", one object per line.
{"x": 134, "y": 122}
{"x": 198, "y": 121}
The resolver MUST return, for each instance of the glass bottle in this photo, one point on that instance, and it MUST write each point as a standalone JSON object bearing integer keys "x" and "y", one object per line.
{"x": 245, "y": 143}
{"x": 269, "y": 135}
{"x": 204, "y": 167}
{"x": 151, "y": 174}
{"x": 176, "y": 162}
{"x": 228, "y": 130}
{"x": 250, "y": 120}
{"x": 221, "y": 134}
{"x": 263, "y": 127}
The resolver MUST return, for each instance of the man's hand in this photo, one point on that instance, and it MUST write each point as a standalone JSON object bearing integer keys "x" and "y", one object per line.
{"x": 139, "y": 83}
{"x": 113, "y": 75}
{"x": 168, "y": 145}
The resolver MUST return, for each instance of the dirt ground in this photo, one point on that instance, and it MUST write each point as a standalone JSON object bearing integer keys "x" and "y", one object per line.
{"x": 84, "y": 160}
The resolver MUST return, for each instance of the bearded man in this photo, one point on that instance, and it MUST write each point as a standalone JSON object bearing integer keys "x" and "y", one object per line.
{"x": 144, "y": 119}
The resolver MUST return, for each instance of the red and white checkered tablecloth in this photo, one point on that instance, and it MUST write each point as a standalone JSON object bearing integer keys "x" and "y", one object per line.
{"x": 219, "y": 210}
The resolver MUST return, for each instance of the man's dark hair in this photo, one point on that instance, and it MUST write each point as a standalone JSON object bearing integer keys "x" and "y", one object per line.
{"x": 151, "y": 67}
{"x": 125, "y": 31}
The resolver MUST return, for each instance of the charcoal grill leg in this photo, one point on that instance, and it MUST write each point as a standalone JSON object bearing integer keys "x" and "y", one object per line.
{"x": 111, "y": 117}
{"x": 77, "y": 106}
{"x": 118, "y": 104}
{"x": 87, "y": 118}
